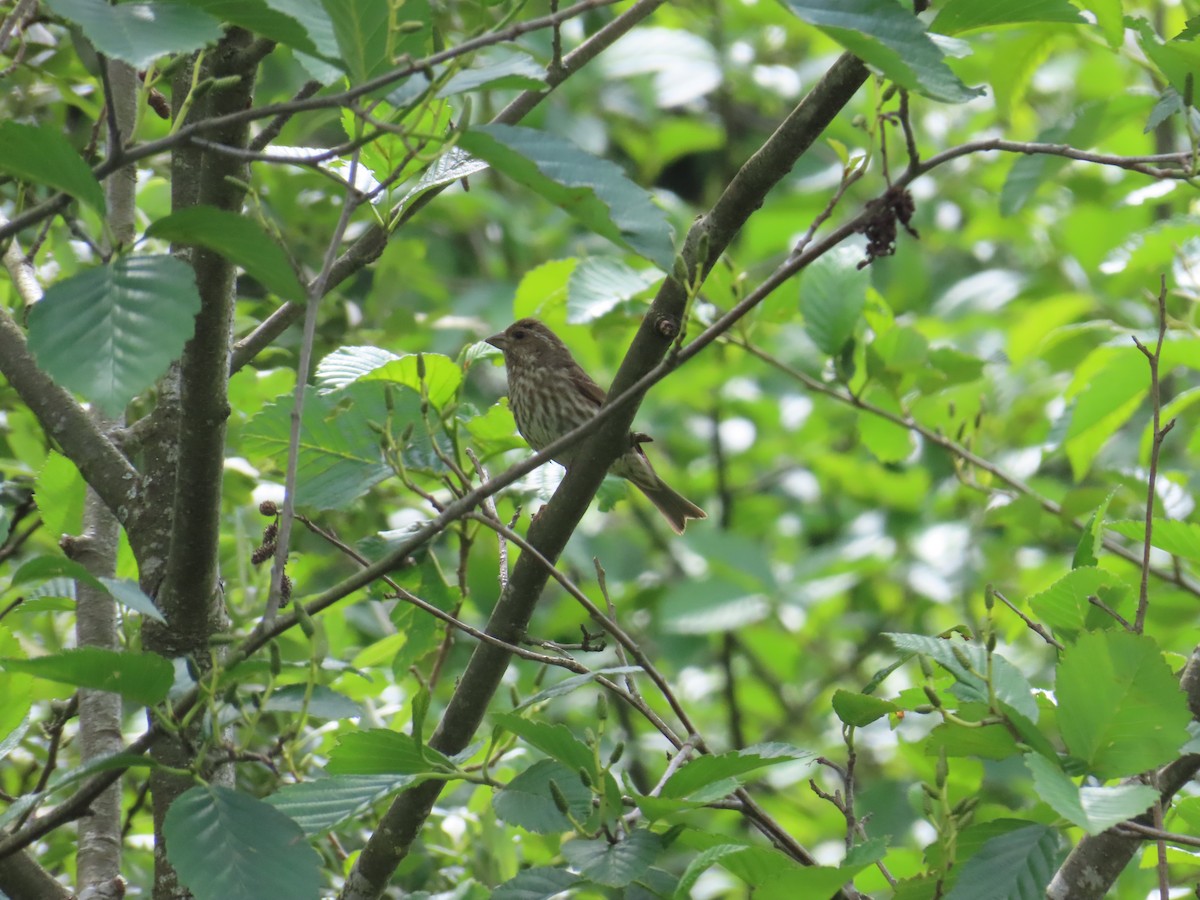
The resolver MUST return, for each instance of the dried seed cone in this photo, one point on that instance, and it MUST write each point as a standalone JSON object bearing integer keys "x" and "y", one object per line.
{"x": 549, "y": 395}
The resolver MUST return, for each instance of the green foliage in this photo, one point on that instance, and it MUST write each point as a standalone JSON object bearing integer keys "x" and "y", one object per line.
{"x": 1017, "y": 865}
{"x": 42, "y": 155}
{"x": 142, "y": 677}
{"x": 890, "y": 38}
{"x": 1121, "y": 709}
{"x": 109, "y": 332}
{"x": 235, "y": 238}
{"x": 592, "y": 190}
{"x": 139, "y": 33}
{"x": 258, "y": 847}
{"x": 919, "y": 587}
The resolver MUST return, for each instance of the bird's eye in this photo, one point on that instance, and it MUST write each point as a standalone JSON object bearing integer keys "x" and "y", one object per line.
{"x": 518, "y": 334}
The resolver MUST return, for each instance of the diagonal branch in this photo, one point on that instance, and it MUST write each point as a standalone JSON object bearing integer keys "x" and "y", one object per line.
{"x": 102, "y": 465}
{"x": 557, "y": 521}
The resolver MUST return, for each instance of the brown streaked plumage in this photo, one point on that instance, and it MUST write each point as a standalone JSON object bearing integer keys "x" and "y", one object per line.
{"x": 550, "y": 394}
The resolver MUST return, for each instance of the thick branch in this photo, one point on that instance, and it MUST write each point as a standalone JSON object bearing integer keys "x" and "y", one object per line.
{"x": 557, "y": 521}
{"x": 23, "y": 879}
{"x": 190, "y": 596}
{"x": 101, "y": 463}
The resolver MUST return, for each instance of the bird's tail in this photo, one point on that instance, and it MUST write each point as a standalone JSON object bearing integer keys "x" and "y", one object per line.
{"x": 675, "y": 507}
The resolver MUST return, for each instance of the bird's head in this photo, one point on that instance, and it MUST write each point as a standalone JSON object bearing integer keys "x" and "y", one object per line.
{"x": 529, "y": 342}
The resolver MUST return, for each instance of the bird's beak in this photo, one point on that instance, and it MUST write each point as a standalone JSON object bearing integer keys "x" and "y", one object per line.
{"x": 499, "y": 341}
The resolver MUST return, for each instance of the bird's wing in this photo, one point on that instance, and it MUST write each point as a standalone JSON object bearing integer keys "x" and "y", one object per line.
{"x": 586, "y": 386}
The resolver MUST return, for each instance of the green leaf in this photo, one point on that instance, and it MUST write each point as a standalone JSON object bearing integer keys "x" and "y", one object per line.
{"x": 958, "y": 16}
{"x": 574, "y": 683}
{"x": 537, "y": 883}
{"x": 1013, "y": 866}
{"x": 808, "y": 881}
{"x": 1064, "y": 605}
{"x": 701, "y": 864}
{"x": 499, "y": 68}
{"x": 528, "y": 801}
{"x": 592, "y": 190}
{"x": 324, "y": 703}
{"x": 441, "y": 381}
{"x": 227, "y": 845}
{"x": 712, "y": 605}
{"x": 887, "y": 441}
{"x": 1092, "y": 536}
{"x": 124, "y": 591}
{"x": 1085, "y": 128}
{"x": 1010, "y": 685}
{"x": 142, "y": 677}
{"x": 348, "y": 365}
{"x": 833, "y": 292}
{"x": 453, "y": 165}
{"x": 45, "y": 568}
{"x": 40, "y": 154}
{"x": 1177, "y": 60}
{"x": 300, "y": 24}
{"x": 543, "y": 291}
{"x": 239, "y": 239}
{"x": 948, "y": 367}
{"x": 1180, "y": 539}
{"x": 887, "y": 37}
{"x": 600, "y": 283}
{"x": 1119, "y": 707}
{"x": 1105, "y": 401}
{"x": 1151, "y": 249}
{"x": 988, "y": 742}
{"x": 556, "y": 741}
{"x": 127, "y": 593}
{"x": 110, "y": 332}
{"x": 614, "y": 865}
{"x": 860, "y": 709}
{"x": 14, "y": 722}
{"x": 340, "y": 457}
{"x": 1094, "y": 809}
{"x": 368, "y": 42}
{"x": 322, "y": 805}
{"x": 1110, "y": 16}
{"x": 381, "y": 751}
{"x": 695, "y": 781}
{"x": 60, "y": 491}
{"x": 139, "y": 33}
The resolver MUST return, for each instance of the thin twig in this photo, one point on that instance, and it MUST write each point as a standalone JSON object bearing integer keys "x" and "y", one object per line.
{"x": 272, "y": 129}
{"x": 1033, "y": 626}
{"x": 1151, "y": 833}
{"x": 1104, "y": 607}
{"x": 606, "y": 622}
{"x": 489, "y": 507}
{"x": 438, "y": 613}
{"x": 1160, "y": 432}
{"x": 910, "y": 139}
{"x": 15, "y": 22}
{"x": 303, "y": 366}
{"x": 1164, "y": 881}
